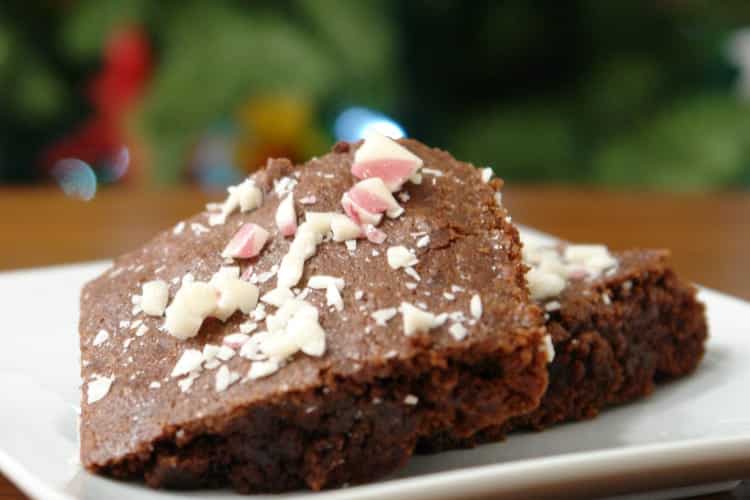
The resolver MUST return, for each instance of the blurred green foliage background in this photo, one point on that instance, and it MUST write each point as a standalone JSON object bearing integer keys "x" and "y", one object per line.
{"x": 637, "y": 93}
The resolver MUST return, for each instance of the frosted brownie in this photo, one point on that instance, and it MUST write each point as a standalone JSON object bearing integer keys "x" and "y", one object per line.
{"x": 310, "y": 329}
{"x": 620, "y": 323}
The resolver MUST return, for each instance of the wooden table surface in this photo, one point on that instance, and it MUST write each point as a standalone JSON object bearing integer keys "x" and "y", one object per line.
{"x": 708, "y": 233}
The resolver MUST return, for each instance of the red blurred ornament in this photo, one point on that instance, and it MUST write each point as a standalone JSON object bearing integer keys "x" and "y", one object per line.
{"x": 113, "y": 93}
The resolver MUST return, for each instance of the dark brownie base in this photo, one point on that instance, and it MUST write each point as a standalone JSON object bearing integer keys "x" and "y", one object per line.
{"x": 653, "y": 330}
{"x": 358, "y": 430}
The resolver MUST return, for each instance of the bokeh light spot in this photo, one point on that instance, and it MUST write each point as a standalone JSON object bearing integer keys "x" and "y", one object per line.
{"x": 356, "y": 123}
{"x": 76, "y": 178}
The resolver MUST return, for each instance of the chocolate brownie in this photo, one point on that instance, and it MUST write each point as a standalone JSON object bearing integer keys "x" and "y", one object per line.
{"x": 244, "y": 347}
{"x": 615, "y": 337}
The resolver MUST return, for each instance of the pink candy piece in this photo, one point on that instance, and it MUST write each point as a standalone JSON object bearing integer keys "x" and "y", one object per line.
{"x": 373, "y": 196}
{"x": 394, "y": 172}
{"x": 374, "y": 234}
{"x": 358, "y": 213}
{"x": 286, "y": 218}
{"x": 247, "y": 243}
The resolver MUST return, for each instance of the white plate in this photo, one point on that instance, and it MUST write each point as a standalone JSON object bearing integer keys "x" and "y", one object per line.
{"x": 695, "y": 430}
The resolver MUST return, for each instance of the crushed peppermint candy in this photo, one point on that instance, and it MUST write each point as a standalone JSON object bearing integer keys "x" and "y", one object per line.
{"x": 322, "y": 282}
{"x": 550, "y": 268}
{"x": 101, "y": 337}
{"x": 333, "y": 297}
{"x": 400, "y": 256}
{"x": 384, "y": 158}
{"x": 154, "y": 297}
{"x": 98, "y": 388}
{"x": 190, "y": 361}
{"x": 432, "y": 171}
{"x": 549, "y": 348}
{"x": 552, "y": 305}
{"x": 308, "y": 200}
{"x": 220, "y": 298}
{"x": 423, "y": 241}
{"x": 487, "y": 174}
{"x": 225, "y": 353}
{"x": 413, "y": 273}
{"x": 345, "y": 229}
{"x": 458, "y": 331}
{"x": 411, "y": 399}
{"x": 286, "y": 217}
{"x": 141, "y": 331}
{"x": 382, "y": 316}
{"x": 179, "y": 228}
{"x": 246, "y": 243}
{"x": 187, "y": 382}
{"x": 225, "y": 378}
{"x": 277, "y": 297}
{"x": 416, "y": 320}
{"x": 475, "y": 306}
{"x": 245, "y": 196}
{"x": 260, "y": 369}
{"x": 367, "y": 200}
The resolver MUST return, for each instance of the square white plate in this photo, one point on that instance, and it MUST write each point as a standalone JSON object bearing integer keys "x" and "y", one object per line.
{"x": 695, "y": 430}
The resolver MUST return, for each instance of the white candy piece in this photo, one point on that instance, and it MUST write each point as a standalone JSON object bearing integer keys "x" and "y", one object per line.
{"x": 235, "y": 340}
{"x": 209, "y": 352}
{"x": 234, "y": 293}
{"x": 277, "y": 297}
{"x": 101, "y": 337}
{"x": 307, "y": 333}
{"x": 260, "y": 369}
{"x": 382, "y": 316}
{"x": 154, "y": 297}
{"x": 226, "y": 353}
{"x": 548, "y": 348}
{"x": 401, "y": 256}
{"x": 333, "y": 297}
{"x": 286, "y": 218}
{"x": 475, "y": 306}
{"x": 550, "y": 268}
{"x": 343, "y": 228}
{"x": 309, "y": 234}
{"x": 487, "y": 174}
{"x": 245, "y": 196}
{"x": 193, "y": 302}
{"x": 190, "y": 361}
{"x": 417, "y": 320}
{"x": 322, "y": 282}
{"x": 458, "y": 331}
{"x": 544, "y": 285}
{"x": 411, "y": 399}
{"x": 225, "y": 378}
{"x": 98, "y": 388}
{"x": 320, "y": 222}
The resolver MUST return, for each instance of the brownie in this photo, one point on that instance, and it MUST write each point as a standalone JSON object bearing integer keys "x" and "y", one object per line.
{"x": 615, "y": 338}
{"x": 351, "y": 412}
